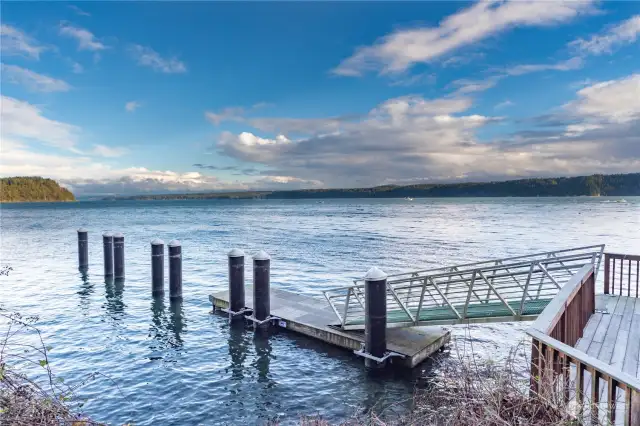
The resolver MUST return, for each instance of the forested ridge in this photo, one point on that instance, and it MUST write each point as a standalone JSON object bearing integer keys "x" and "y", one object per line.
{"x": 594, "y": 185}
{"x": 27, "y": 188}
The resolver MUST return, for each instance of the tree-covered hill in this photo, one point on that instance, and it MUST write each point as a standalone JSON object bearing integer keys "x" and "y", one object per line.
{"x": 594, "y": 185}
{"x": 24, "y": 189}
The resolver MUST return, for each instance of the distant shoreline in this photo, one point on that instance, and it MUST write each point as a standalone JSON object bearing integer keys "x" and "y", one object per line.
{"x": 591, "y": 186}
{"x": 38, "y": 201}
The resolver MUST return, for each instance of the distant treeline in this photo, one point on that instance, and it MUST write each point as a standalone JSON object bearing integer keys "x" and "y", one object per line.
{"x": 594, "y": 185}
{"x": 23, "y": 189}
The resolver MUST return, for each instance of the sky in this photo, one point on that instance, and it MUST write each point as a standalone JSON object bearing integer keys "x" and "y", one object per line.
{"x": 139, "y": 97}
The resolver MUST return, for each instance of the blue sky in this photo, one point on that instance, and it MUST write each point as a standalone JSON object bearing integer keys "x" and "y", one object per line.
{"x": 134, "y": 97}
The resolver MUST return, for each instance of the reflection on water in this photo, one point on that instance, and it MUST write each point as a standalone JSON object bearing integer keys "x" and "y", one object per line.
{"x": 166, "y": 328}
{"x": 237, "y": 345}
{"x": 263, "y": 348}
{"x": 114, "y": 290}
{"x": 85, "y": 291}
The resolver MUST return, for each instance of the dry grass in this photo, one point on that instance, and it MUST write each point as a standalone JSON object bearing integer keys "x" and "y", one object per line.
{"x": 467, "y": 392}
{"x": 23, "y": 401}
{"x": 487, "y": 394}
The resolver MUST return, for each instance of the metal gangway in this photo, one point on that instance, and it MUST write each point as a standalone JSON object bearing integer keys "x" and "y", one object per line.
{"x": 510, "y": 289}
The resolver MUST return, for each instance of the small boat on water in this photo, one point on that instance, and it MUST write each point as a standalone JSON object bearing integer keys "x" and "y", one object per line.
{"x": 408, "y": 198}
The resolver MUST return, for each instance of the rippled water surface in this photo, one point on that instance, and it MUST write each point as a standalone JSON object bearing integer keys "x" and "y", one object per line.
{"x": 178, "y": 364}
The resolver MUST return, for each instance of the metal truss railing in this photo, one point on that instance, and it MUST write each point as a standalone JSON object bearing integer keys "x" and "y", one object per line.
{"x": 510, "y": 289}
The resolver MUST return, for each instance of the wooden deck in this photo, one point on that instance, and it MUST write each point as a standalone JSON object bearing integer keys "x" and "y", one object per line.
{"x": 612, "y": 334}
{"x": 313, "y": 317}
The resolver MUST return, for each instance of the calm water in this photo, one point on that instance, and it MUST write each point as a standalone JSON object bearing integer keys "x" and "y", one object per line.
{"x": 178, "y": 364}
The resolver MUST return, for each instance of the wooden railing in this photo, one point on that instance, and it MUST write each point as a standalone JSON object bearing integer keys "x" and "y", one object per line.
{"x": 553, "y": 357}
{"x": 622, "y": 274}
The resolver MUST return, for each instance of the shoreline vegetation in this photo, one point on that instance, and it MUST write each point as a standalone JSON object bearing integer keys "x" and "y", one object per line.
{"x": 38, "y": 189}
{"x": 594, "y": 185}
{"x": 32, "y": 189}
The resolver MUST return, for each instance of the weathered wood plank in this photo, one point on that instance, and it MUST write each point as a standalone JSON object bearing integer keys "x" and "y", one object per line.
{"x": 627, "y": 316}
{"x": 630, "y": 365}
{"x": 589, "y": 331}
{"x": 612, "y": 303}
{"x": 621, "y": 305}
{"x": 620, "y": 349}
{"x": 598, "y": 337}
{"x": 601, "y": 302}
{"x": 609, "y": 343}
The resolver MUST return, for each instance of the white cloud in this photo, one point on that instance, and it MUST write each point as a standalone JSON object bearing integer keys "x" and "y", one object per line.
{"x": 132, "y": 106}
{"x": 22, "y": 120}
{"x": 412, "y": 139}
{"x": 414, "y": 80}
{"x": 625, "y": 32}
{"x": 108, "y": 151}
{"x": 400, "y": 50}
{"x": 15, "y": 42}
{"x": 568, "y": 65}
{"x": 78, "y": 11}
{"x": 77, "y": 68}
{"x": 31, "y": 80}
{"x": 466, "y": 86}
{"x": 614, "y": 101}
{"x": 226, "y": 114}
{"x": 456, "y": 61}
{"x": 503, "y": 104}
{"x": 146, "y": 56}
{"x": 235, "y": 113}
{"x": 85, "y": 38}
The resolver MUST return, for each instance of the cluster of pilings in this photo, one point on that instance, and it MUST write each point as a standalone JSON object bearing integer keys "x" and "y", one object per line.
{"x": 113, "y": 248}
{"x": 260, "y": 315}
{"x": 375, "y": 346}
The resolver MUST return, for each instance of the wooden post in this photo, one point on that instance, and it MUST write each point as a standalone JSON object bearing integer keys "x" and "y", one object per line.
{"x": 236, "y": 281}
{"x": 534, "y": 382}
{"x": 157, "y": 267}
{"x": 261, "y": 286}
{"x": 118, "y": 256}
{"x": 83, "y": 248}
{"x": 634, "y": 410}
{"x": 606, "y": 273}
{"x": 612, "y": 387}
{"x": 375, "y": 320}
{"x": 580, "y": 369}
{"x": 107, "y": 245}
{"x": 175, "y": 269}
{"x": 595, "y": 394}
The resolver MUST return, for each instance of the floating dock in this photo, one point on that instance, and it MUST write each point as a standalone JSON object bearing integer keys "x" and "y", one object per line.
{"x": 314, "y": 317}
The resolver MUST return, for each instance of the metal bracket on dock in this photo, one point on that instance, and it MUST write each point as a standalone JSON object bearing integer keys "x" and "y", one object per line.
{"x": 264, "y": 321}
{"x": 235, "y": 314}
{"x": 362, "y": 352}
{"x": 232, "y": 314}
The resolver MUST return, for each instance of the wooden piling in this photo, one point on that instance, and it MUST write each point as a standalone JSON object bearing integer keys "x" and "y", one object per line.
{"x": 118, "y": 256}
{"x": 83, "y": 248}
{"x": 107, "y": 245}
{"x": 157, "y": 267}
{"x": 375, "y": 329}
{"x": 236, "y": 282}
{"x": 175, "y": 269}
{"x": 261, "y": 285}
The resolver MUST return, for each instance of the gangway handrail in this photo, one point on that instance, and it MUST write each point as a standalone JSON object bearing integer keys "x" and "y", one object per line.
{"x": 391, "y": 276}
{"x": 412, "y": 293}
